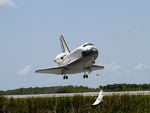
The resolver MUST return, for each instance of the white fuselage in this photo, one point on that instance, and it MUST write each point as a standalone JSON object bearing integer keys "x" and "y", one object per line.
{"x": 82, "y": 52}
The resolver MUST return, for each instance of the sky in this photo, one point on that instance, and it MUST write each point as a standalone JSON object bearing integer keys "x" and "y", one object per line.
{"x": 29, "y": 40}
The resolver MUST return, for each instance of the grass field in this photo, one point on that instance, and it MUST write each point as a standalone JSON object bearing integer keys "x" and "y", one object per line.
{"x": 76, "y": 104}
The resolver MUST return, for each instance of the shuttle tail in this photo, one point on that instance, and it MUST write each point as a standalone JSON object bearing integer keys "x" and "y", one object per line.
{"x": 63, "y": 44}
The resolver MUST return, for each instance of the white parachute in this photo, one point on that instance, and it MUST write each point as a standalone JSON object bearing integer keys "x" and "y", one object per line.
{"x": 99, "y": 98}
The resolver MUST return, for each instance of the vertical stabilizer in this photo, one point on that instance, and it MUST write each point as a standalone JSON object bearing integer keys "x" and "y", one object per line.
{"x": 63, "y": 44}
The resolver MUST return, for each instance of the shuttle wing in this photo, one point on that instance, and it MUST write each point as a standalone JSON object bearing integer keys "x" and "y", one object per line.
{"x": 65, "y": 69}
{"x": 97, "y": 67}
{"x": 73, "y": 67}
{"x": 55, "y": 70}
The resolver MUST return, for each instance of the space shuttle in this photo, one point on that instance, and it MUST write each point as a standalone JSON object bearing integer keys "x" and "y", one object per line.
{"x": 80, "y": 60}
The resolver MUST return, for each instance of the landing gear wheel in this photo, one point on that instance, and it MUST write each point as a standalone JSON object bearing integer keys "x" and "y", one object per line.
{"x": 85, "y": 76}
{"x": 65, "y": 77}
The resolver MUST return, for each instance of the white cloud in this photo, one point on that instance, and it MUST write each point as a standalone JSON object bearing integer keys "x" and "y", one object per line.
{"x": 27, "y": 69}
{"x": 135, "y": 31}
{"x": 7, "y": 4}
{"x": 141, "y": 67}
{"x": 113, "y": 67}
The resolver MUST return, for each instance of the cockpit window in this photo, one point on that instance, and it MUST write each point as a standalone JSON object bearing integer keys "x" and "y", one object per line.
{"x": 87, "y": 44}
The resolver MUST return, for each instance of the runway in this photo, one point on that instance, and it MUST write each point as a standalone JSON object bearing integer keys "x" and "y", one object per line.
{"x": 80, "y": 94}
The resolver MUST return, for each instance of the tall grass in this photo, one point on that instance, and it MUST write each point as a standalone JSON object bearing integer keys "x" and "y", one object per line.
{"x": 77, "y": 104}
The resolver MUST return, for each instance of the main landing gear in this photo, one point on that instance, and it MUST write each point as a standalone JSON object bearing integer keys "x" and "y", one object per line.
{"x": 65, "y": 77}
{"x": 85, "y": 76}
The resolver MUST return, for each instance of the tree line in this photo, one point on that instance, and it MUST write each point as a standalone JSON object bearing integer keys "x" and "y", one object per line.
{"x": 76, "y": 89}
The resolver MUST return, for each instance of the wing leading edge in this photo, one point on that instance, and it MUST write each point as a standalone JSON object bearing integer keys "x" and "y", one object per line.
{"x": 55, "y": 70}
{"x": 97, "y": 67}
